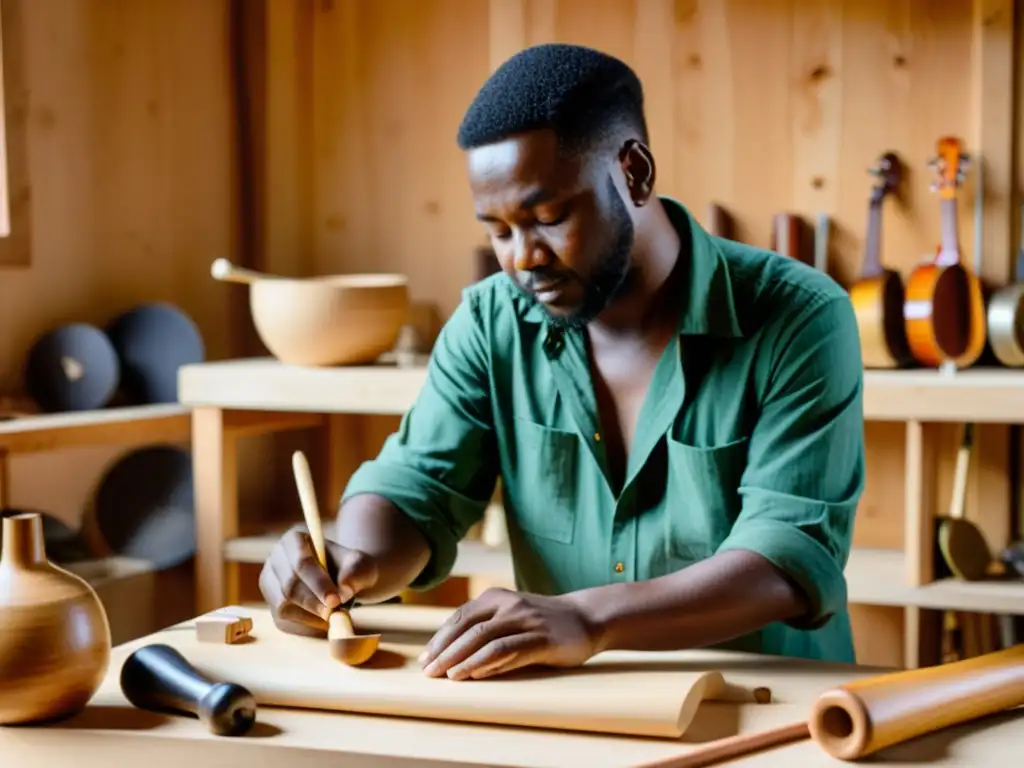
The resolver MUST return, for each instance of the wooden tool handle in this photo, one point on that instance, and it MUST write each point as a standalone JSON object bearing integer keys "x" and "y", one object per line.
{"x": 731, "y": 747}
{"x": 158, "y": 678}
{"x": 339, "y": 622}
{"x": 224, "y": 270}
{"x": 862, "y": 717}
{"x": 310, "y": 508}
{"x": 963, "y": 456}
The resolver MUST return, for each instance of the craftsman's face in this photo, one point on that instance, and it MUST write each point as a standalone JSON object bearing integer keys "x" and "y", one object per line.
{"x": 559, "y": 225}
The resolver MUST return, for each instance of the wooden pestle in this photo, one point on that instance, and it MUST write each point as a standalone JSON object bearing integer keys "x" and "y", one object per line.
{"x": 859, "y": 718}
{"x": 345, "y": 645}
{"x": 224, "y": 270}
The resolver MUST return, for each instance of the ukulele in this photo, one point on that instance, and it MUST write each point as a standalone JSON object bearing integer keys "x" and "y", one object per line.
{"x": 944, "y": 310}
{"x": 877, "y": 296}
{"x": 1006, "y": 314}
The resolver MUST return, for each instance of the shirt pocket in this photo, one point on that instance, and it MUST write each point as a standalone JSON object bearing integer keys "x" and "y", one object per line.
{"x": 703, "y": 496}
{"x": 544, "y": 492}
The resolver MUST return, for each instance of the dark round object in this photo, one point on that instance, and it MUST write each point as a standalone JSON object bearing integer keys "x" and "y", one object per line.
{"x": 72, "y": 368}
{"x": 145, "y": 507}
{"x": 152, "y": 342}
{"x": 159, "y": 679}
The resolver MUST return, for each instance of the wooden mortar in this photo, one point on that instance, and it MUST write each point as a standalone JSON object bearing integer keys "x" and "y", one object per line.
{"x": 326, "y": 320}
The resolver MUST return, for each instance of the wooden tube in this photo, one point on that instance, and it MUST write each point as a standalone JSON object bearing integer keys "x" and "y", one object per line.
{"x": 862, "y": 717}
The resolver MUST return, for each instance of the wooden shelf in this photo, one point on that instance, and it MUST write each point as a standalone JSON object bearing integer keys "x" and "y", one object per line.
{"x": 979, "y": 395}
{"x": 263, "y": 383}
{"x": 107, "y": 426}
{"x": 994, "y": 395}
{"x": 874, "y": 577}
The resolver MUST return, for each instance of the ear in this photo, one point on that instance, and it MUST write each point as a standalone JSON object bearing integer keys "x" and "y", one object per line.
{"x": 638, "y": 167}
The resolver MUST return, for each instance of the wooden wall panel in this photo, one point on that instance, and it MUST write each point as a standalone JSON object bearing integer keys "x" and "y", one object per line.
{"x": 127, "y": 113}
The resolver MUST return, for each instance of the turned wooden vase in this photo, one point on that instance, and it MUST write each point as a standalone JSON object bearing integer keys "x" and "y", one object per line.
{"x": 54, "y": 632}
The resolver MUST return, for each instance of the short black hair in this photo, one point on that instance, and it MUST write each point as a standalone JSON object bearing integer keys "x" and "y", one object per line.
{"x": 587, "y": 97}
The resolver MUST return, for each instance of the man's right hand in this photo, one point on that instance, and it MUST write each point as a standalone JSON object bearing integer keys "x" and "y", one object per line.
{"x": 300, "y": 593}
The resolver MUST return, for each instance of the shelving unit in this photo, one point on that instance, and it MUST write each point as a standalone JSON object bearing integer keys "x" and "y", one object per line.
{"x": 875, "y": 576}
{"x": 108, "y": 426}
{"x": 126, "y": 586}
{"x": 982, "y": 395}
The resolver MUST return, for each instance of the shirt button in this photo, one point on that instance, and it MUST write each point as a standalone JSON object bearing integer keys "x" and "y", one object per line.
{"x": 597, "y": 436}
{"x": 619, "y": 567}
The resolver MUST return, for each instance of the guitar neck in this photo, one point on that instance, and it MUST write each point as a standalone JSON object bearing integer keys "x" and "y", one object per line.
{"x": 949, "y": 251}
{"x": 872, "y": 258}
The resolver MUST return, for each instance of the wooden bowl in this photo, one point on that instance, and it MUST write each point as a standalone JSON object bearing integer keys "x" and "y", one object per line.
{"x": 324, "y": 321}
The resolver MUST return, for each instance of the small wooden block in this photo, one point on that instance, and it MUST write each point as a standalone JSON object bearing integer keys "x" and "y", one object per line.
{"x": 225, "y": 625}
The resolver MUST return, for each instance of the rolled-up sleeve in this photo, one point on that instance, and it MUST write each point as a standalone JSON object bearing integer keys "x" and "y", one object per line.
{"x": 440, "y": 467}
{"x": 805, "y": 471}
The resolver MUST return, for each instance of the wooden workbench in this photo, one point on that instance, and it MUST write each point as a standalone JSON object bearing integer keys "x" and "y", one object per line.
{"x": 112, "y": 733}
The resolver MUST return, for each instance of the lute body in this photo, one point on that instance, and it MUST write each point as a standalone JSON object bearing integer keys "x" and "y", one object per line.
{"x": 944, "y": 308}
{"x": 878, "y": 295}
{"x": 1006, "y": 315}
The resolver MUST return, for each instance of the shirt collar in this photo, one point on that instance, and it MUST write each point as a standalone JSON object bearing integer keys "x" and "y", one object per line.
{"x": 707, "y": 292}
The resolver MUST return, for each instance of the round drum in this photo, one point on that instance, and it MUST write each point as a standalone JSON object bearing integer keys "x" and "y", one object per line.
{"x": 144, "y": 506}
{"x": 72, "y": 368}
{"x": 152, "y": 342}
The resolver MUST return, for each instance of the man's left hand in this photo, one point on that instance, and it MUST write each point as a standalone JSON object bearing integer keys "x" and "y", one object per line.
{"x": 503, "y": 630}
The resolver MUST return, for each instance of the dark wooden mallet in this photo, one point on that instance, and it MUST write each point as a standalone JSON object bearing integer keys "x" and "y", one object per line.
{"x": 158, "y": 678}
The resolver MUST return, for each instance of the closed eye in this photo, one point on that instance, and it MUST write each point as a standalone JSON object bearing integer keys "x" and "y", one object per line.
{"x": 553, "y": 218}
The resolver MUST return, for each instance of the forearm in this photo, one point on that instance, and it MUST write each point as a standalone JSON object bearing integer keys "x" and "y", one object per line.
{"x": 726, "y": 596}
{"x": 373, "y": 525}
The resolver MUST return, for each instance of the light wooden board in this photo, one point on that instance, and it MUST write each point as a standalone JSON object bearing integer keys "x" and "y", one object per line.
{"x": 652, "y": 695}
{"x": 110, "y": 732}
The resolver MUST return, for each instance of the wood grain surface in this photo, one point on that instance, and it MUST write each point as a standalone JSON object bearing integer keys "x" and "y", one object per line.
{"x": 111, "y": 732}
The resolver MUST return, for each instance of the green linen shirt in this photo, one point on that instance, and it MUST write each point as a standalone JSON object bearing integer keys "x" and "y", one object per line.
{"x": 750, "y": 437}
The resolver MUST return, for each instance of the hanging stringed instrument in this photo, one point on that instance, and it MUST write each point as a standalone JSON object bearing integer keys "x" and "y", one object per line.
{"x": 944, "y": 310}
{"x": 878, "y": 294}
{"x": 1006, "y": 314}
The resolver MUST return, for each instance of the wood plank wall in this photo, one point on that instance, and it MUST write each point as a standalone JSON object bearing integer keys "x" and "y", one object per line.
{"x": 120, "y": 127}
{"x": 761, "y": 105}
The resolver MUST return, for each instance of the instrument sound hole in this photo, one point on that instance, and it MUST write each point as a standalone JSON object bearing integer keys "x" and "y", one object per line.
{"x": 951, "y": 314}
{"x": 895, "y": 328}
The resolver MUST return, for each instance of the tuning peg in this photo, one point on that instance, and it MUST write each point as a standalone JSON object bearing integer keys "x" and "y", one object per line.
{"x": 966, "y": 160}
{"x": 933, "y": 162}
{"x": 933, "y": 187}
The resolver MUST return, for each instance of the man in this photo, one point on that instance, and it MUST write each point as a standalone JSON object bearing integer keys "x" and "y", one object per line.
{"x": 676, "y": 418}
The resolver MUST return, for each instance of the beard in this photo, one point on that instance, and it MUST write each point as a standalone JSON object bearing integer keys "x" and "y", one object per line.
{"x": 608, "y": 278}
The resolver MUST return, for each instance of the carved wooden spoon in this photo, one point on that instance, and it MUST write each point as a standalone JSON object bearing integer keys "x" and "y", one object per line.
{"x": 345, "y": 645}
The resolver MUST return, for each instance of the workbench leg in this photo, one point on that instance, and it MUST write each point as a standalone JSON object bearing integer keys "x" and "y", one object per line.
{"x": 215, "y": 468}
{"x": 342, "y": 452}
{"x": 921, "y": 627}
{"x": 5, "y": 480}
